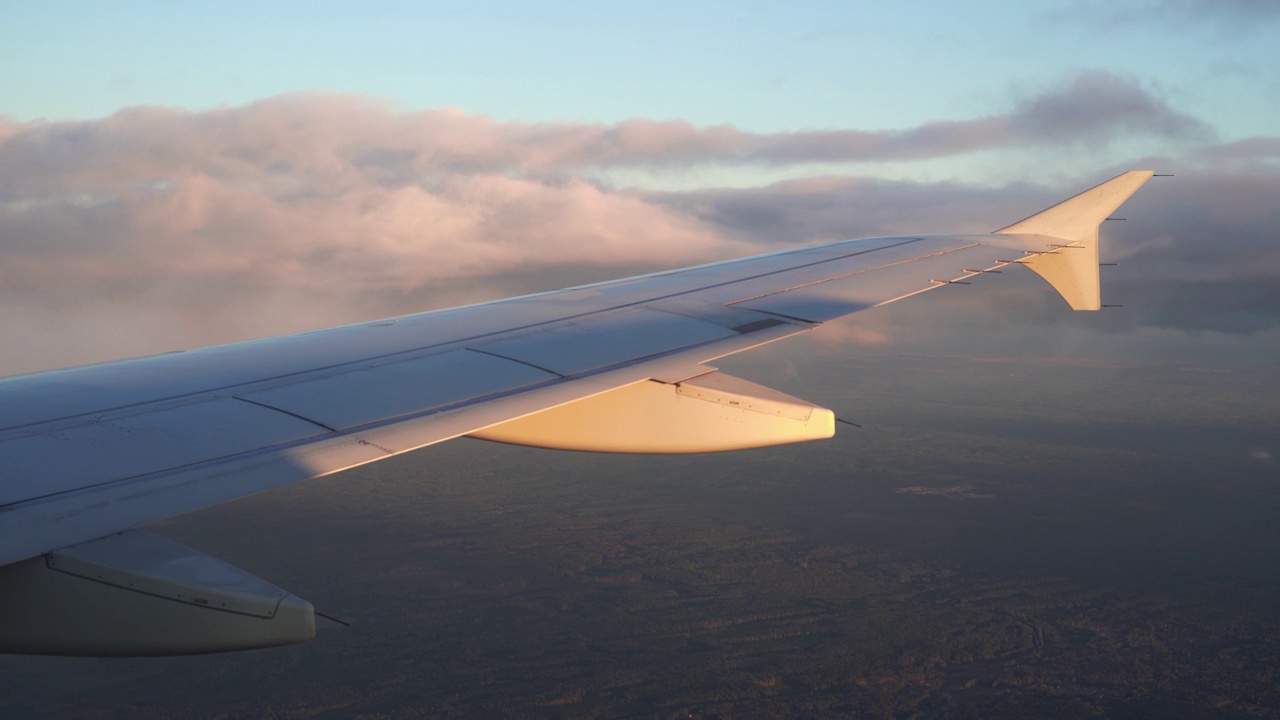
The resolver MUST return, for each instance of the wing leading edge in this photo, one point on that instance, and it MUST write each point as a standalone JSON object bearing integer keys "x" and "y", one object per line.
{"x": 619, "y": 366}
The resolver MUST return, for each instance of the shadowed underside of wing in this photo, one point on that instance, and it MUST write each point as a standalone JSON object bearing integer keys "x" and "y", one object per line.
{"x": 619, "y": 366}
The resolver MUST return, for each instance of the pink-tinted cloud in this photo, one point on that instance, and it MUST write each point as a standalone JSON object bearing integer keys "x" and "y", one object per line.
{"x": 316, "y": 145}
{"x": 159, "y": 228}
{"x": 284, "y": 215}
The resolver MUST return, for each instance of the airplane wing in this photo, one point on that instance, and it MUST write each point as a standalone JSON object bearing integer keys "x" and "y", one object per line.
{"x": 89, "y": 453}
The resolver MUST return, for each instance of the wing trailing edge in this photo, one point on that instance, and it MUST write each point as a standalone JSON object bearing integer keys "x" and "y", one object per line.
{"x": 1071, "y": 229}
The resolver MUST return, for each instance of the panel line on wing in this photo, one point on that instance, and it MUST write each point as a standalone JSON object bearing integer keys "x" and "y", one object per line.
{"x": 482, "y": 351}
{"x": 286, "y": 412}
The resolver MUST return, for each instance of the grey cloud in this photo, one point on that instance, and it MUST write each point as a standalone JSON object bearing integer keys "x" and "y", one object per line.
{"x": 1207, "y": 254}
{"x": 313, "y": 145}
{"x": 1093, "y": 107}
{"x": 936, "y": 139}
{"x": 839, "y": 207}
{"x": 177, "y": 228}
{"x": 1097, "y": 105}
{"x": 1246, "y": 306}
{"x": 1248, "y": 151}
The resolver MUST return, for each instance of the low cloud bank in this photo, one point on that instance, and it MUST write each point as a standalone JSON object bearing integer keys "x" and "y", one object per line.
{"x": 317, "y": 144}
{"x": 1199, "y": 251}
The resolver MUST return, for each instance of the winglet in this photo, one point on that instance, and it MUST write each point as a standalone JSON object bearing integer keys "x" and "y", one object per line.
{"x": 1071, "y": 267}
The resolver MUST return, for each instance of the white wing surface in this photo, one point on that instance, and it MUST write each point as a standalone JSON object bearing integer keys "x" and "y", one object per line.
{"x": 91, "y": 452}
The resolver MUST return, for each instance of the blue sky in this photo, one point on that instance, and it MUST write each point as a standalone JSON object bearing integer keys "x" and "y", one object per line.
{"x": 759, "y": 65}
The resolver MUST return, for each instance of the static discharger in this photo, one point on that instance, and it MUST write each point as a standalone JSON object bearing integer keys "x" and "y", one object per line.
{"x": 971, "y": 270}
{"x": 951, "y": 282}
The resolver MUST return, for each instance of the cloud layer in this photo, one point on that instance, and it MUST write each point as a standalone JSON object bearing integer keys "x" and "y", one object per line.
{"x": 1199, "y": 250}
{"x": 158, "y": 228}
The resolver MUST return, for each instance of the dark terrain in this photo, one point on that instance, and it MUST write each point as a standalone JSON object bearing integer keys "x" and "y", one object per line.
{"x": 1105, "y": 546}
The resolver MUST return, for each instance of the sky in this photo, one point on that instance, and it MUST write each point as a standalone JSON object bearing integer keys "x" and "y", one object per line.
{"x": 179, "y": 175}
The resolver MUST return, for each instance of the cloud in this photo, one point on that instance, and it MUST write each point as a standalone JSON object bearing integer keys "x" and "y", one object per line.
{"x": 315, "y": 144}
{"x": 1094, "y": 107}
{"x": 1247, "y": 150}
{"x": 840, "y": 207}
{"x": 291, "y": 214}
{"x": 1206, "y": 256}
{"x": 1097, "y": 105}
{"x": 160, "y": 228}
